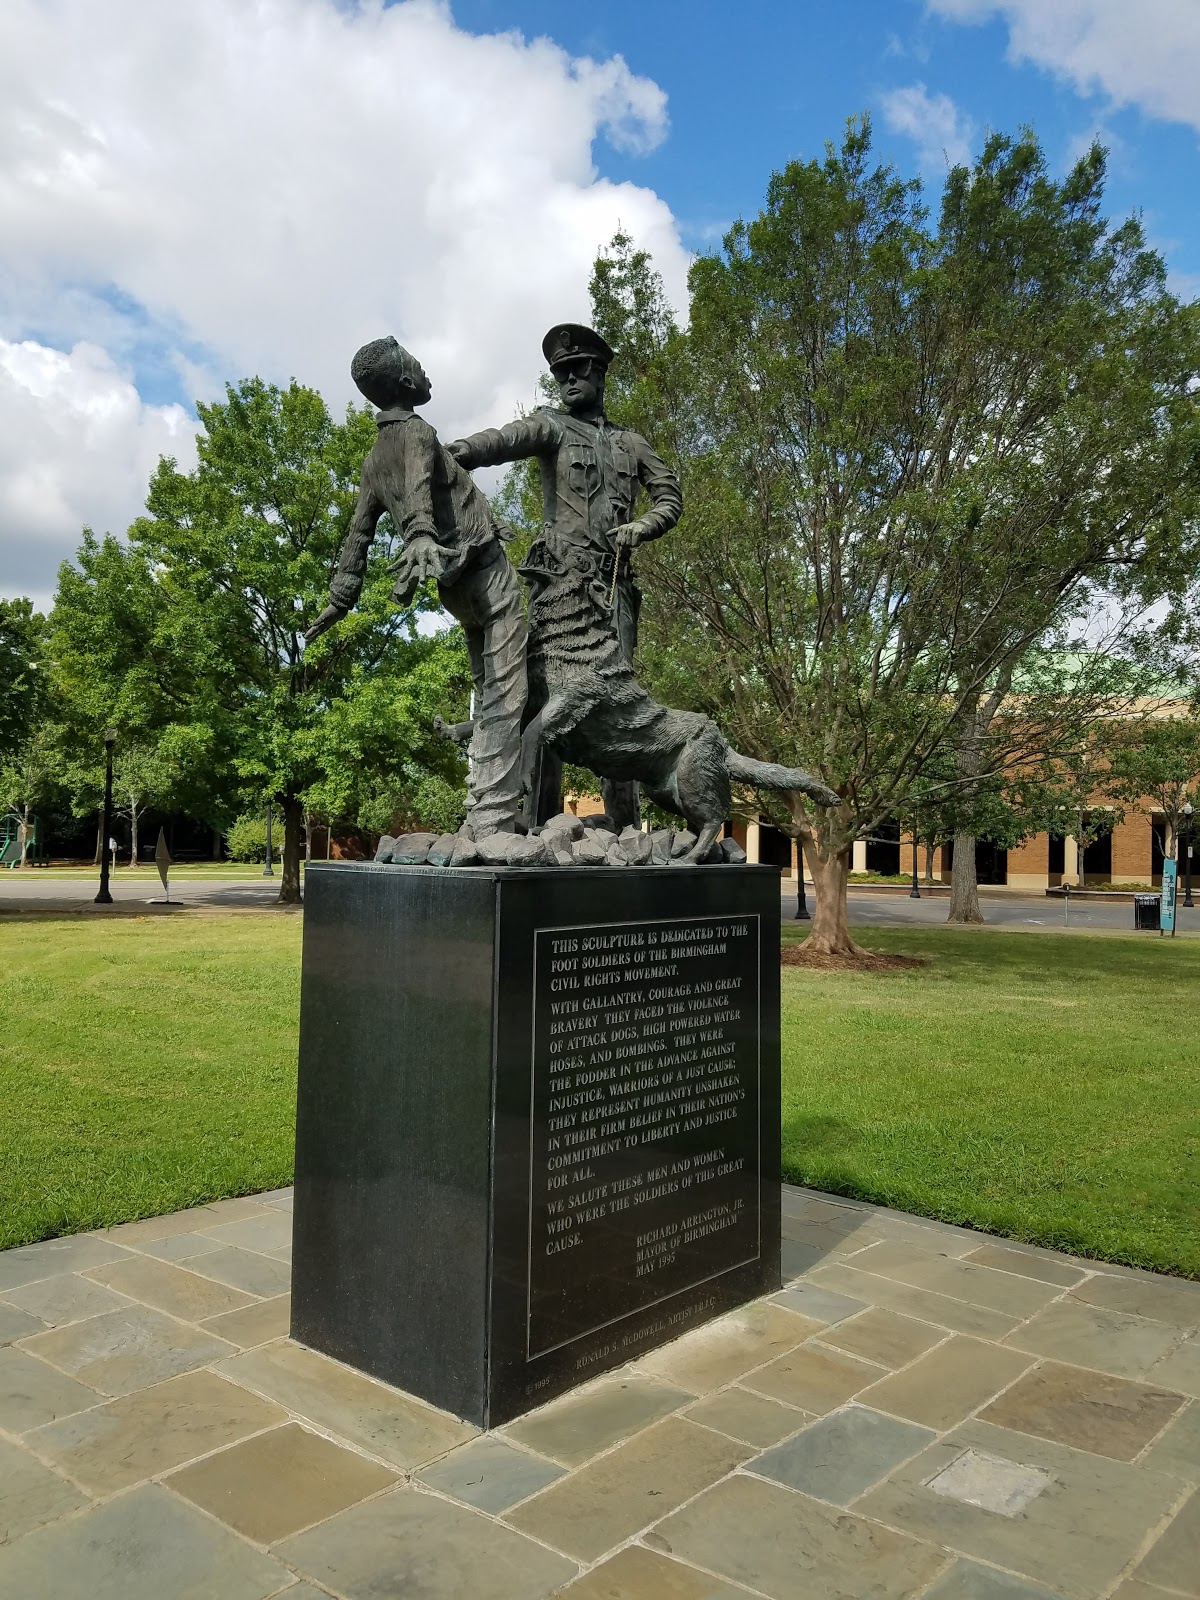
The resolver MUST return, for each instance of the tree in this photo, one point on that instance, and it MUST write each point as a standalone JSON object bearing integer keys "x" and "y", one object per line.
{"x": 1078, "y": 431}
{"x": 22, "y": 668}
{"x": 116, "y": 661}
{"x": 1157, "y": 761}
{"x": 27, "y": 779}
{"x": 380, "y": 764}
{"x": 141, "y": 779}
{"x": 908, "y": 453}
{"x": 242, "y": 549}
{"x": 27, "y": 767}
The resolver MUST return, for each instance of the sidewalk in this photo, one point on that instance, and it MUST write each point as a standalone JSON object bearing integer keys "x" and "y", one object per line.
{"x": 923, "y": 1411}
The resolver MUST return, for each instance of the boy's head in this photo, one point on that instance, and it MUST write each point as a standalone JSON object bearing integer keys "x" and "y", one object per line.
{"x": 385, "y": 372}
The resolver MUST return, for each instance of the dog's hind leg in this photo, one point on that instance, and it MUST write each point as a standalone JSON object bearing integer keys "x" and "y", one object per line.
{"x": 537, "y": 739}
{"x": 705, "y": 840}
{"x": 702, "y": 779}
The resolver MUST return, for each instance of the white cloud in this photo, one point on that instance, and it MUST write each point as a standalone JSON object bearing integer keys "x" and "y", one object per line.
{"x": 77, "y": 445}
{"x": 1138, "y": 52}
{"x": 258, "y": 186}
{"x": 941, "y": 132}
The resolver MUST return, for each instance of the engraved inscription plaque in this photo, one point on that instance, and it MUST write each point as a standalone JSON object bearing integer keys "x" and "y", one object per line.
{"x": 537, "y": 1122}
{"x": 645, "y": 1117}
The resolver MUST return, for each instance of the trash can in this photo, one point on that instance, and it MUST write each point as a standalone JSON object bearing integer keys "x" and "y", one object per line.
{"x": 1146, "y": 912}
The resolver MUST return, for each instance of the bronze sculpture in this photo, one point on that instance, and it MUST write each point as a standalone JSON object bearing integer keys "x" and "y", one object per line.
{"x": 570, "y": 685}
{"x": 593, "y": 711}
{"x": 591, "y": 473}
{"x": 450, "y": 535}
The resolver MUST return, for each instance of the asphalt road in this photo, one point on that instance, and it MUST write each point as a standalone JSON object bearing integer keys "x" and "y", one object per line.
{"x": 45, "y": 895}
{"x": 1000, "y": 910}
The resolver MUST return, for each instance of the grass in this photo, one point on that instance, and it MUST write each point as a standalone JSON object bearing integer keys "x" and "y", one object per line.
{"x": 145, "y": 1065}
{"x": 1042, "y": 1086}
{"x": 1045, "y": 1087}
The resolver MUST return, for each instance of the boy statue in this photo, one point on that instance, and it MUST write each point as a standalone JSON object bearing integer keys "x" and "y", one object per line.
{"x": 450, "y": 535}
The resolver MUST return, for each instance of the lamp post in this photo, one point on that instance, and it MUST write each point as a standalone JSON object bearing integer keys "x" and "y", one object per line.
{"x": 104, "y": 898}
{"x": 269, "y": 869}
{"x": 1187, "y": 860}
{"x": 802, "y": 911}
{"x": 915, "y": 892}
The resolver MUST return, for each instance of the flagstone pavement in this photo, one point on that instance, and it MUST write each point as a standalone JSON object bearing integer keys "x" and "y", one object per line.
{"x": 922, "y": 1411}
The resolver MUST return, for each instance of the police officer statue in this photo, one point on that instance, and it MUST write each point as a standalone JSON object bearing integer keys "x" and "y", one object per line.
{"x": 591, "y": 472}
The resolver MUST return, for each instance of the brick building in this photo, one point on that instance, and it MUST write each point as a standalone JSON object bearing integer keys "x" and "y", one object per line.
{"x": 1130, "y": 852}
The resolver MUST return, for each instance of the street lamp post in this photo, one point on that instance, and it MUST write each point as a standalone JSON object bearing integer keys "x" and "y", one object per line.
{"x": 1188, "y": 828}
{"x": 269, "y": 869}
{"x": 802, "y": 911}
{"x": 104, "y": 898}
{"x": 915, "y": 892}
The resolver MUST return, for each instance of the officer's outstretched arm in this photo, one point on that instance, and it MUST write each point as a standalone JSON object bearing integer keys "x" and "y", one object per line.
{"x": 533, "y": 435}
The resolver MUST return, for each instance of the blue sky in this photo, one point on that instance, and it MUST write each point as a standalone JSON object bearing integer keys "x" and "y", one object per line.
{"x": 210, "y": 189}
{"x": 755, "y": 84}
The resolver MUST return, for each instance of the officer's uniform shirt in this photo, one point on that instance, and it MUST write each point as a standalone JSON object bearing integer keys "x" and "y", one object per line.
{"x": 590, "y": 475}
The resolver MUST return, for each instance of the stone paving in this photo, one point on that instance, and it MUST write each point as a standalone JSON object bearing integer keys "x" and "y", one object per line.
{"x": 922, "y": 1411}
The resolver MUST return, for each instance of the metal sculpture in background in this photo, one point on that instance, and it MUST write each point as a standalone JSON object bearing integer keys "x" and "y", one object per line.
{"x": 162, "y": 860}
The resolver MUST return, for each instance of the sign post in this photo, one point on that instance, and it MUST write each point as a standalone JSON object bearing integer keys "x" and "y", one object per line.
{"x": 1166, "y": 919}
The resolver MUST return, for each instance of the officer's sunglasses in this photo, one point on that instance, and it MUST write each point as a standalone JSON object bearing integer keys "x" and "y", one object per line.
{"x": 580, "y": 367}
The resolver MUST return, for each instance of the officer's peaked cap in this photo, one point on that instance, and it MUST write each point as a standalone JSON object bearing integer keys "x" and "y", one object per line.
{"x": 569, "y": 340}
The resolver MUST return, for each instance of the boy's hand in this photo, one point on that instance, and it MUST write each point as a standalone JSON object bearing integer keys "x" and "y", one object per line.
{"x": 331, "y": 614}
{"x": 423, "y": 558}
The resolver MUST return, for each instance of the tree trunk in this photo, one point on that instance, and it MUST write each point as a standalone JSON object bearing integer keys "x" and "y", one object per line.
{"x": 830, "y": 934}
{"x": 99, "y": 837}
{"x": 964, "y": 886}
{"x": 25, "y": 835}
{"x": 929, "y": 852}
{"x": 133, "y": 831}
{"x": 307, "y": 837}
{"x": 215, "y": 853}
{"x": 293, "y": 821}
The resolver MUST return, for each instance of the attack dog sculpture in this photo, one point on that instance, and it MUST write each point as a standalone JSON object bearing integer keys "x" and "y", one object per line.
{"x": 592, "y": 710}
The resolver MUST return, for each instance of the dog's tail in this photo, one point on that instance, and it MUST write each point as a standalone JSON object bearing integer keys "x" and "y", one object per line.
{"x": 767, "y": 775}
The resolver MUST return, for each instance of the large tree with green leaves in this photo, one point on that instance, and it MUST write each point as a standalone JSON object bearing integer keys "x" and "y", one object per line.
{"x": 28, "y": 765}
{"x": 22, "y": 672}
{"x": 1154, "y": 767}
{"x": 910, "y": 450}
{"x": 241, "y": 549}
{"x": 116, "y": 662}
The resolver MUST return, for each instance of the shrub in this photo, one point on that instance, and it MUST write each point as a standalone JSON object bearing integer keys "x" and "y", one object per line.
{"x": 247, "y": 839}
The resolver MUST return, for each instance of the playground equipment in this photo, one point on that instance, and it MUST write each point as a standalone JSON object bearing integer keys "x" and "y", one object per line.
{"x": 11, "y": 840}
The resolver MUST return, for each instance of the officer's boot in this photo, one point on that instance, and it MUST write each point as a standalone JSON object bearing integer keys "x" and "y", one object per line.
{"x": 622, "y": 802}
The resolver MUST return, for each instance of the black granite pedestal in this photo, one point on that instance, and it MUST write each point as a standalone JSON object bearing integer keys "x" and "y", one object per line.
{"x": 538, "y": 1120}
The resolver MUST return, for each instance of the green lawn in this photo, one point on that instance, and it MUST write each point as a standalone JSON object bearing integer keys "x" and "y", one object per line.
{"x": 1042, "y": 1086}
{"x": 145, "y": 1065}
